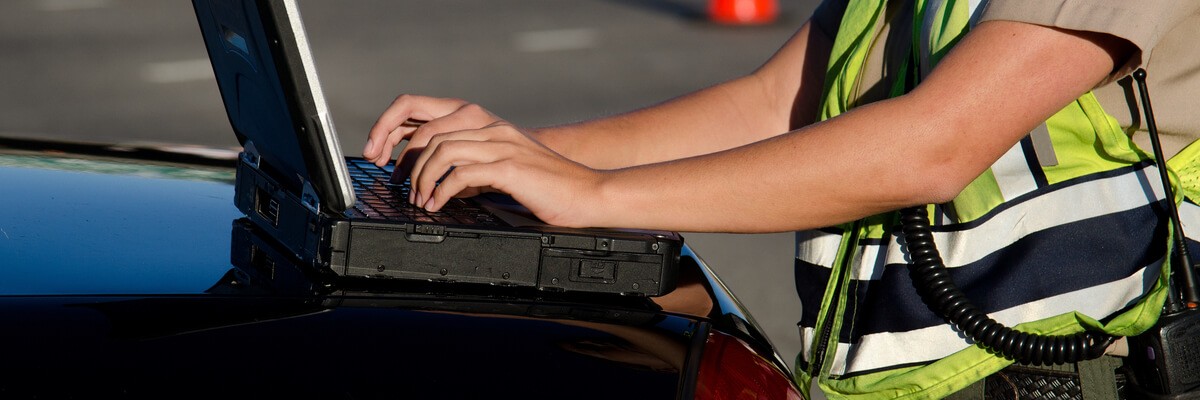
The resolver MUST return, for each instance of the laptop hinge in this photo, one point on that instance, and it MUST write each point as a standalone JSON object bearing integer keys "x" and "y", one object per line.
{"x": 309, "y": 198}
{"x": 250, "y": 155}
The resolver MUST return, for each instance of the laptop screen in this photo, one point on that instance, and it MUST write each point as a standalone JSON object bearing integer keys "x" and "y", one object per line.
{"x": 269, "y": 85}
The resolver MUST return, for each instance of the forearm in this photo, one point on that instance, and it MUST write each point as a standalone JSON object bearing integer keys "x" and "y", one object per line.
{"x": 833, "y": 172}
{"x": 772, "y": 100}
{"x": 709, "y": 120}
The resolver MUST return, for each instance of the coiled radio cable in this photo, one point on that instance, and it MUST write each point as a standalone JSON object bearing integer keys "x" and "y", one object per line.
{"x": 938, "y": 290}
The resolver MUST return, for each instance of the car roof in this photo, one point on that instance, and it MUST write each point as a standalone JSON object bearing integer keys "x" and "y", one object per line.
{"x": 120, "y": 261}
{"x": 119, "y": 270}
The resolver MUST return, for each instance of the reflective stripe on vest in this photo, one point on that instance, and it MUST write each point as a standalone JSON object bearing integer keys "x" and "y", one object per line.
{"x": 1064, "y": 255}
{"x": 1050, "y": 241}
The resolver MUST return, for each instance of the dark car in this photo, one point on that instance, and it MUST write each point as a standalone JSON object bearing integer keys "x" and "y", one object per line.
{"x": 128, "y": 273}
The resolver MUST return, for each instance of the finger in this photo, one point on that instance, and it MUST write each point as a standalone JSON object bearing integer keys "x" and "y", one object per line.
{"x": 404, "y": 165}
{"x": 402, "y": 131}
{"x": 420, "y": 157}
{"x": 452, "y": 154}
{"x": 447, "y": 157}
{"x": 402, "y": 109}
{"x": 393, "y": 139}
{"x": 474, "y": 178}
{"x": 469, "y": 116}
{"x": 471, "y": 192}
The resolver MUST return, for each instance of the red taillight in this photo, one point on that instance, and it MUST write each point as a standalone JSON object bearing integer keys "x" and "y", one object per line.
{"x": 730, "y": 369}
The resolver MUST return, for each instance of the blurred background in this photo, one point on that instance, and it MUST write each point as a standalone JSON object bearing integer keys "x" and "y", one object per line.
{"x": 136, "y": 72}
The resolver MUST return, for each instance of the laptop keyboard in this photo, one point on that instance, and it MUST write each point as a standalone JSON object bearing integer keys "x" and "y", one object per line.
{"x": 378, "y": 198}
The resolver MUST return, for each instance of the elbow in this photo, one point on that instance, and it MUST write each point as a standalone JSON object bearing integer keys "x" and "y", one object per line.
{"x": 926, "y": 187}
{"x": 946, "y": 155}
{"x": 935, "y": 152}
{"x": 940, "y": 191}
{"x": 936, "y": 180}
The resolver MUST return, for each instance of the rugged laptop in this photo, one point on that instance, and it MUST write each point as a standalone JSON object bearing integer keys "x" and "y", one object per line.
{"x": 344, "y": 213}
{"x": 263, "y": 268}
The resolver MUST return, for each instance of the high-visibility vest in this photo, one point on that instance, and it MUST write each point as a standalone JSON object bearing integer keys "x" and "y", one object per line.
{"x": 1065, "y": 232}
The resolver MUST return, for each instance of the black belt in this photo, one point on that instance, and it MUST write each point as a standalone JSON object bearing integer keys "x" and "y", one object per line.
{"x": 1087, "y": 380}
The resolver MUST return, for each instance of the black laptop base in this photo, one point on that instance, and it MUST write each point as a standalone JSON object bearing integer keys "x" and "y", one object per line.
{"x": 542, "y": 257}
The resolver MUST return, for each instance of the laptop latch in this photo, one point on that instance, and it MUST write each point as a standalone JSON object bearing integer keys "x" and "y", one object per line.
{"x": 250, "y": 155}
{"x": 309, "y": 198}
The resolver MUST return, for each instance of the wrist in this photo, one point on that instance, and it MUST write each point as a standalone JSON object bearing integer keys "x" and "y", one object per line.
{"x": 619, "y": 200}
{"x": 599, "y": 206}
{"x": 553, "y": 139}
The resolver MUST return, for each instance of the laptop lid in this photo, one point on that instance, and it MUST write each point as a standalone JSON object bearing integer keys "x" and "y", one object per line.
{"x": 268, "y": 82}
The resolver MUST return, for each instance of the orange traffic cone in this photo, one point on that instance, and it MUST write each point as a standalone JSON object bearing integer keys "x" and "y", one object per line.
{"x": 743, "y": 12}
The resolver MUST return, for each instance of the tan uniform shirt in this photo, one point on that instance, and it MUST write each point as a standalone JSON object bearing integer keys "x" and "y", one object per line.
{"x": 1166, "y": 33}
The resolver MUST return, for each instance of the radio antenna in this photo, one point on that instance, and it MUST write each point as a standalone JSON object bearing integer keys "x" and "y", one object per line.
{"x": 1182, "y": 261}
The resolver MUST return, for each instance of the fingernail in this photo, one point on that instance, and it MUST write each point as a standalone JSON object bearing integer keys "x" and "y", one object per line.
{"x": 428, "y": 204}
{"x": 368, "y": 148}
{"x": 421, "y": 200}
{"x": 412, "y": 198}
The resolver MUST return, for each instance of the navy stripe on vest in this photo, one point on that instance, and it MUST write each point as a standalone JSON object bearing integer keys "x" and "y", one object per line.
{"x": 811, "y": 279}
{"x": 1035, "y": 165}
{"x": 1044, "y": 264}
{"x": 810, "y": 285}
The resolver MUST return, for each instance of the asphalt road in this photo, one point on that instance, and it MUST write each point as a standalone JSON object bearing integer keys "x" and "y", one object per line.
{"x": 135, "y": 71}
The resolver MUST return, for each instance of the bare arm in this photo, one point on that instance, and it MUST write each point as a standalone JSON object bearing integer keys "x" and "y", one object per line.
{"x": 1003, "y": 79}
{"x": 780, "y": 96}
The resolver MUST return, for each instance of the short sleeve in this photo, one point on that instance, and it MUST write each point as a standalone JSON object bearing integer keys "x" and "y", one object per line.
{"x": 1142, "y": 23}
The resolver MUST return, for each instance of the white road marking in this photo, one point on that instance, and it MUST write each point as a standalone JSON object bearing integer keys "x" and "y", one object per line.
{"x": 71, "y": 5}
{"x": 556, "y": 40}
{"x": 178, "y": 71}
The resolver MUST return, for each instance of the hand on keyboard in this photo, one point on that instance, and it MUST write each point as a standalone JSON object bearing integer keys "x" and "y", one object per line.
{"x": 469, "y": 150}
